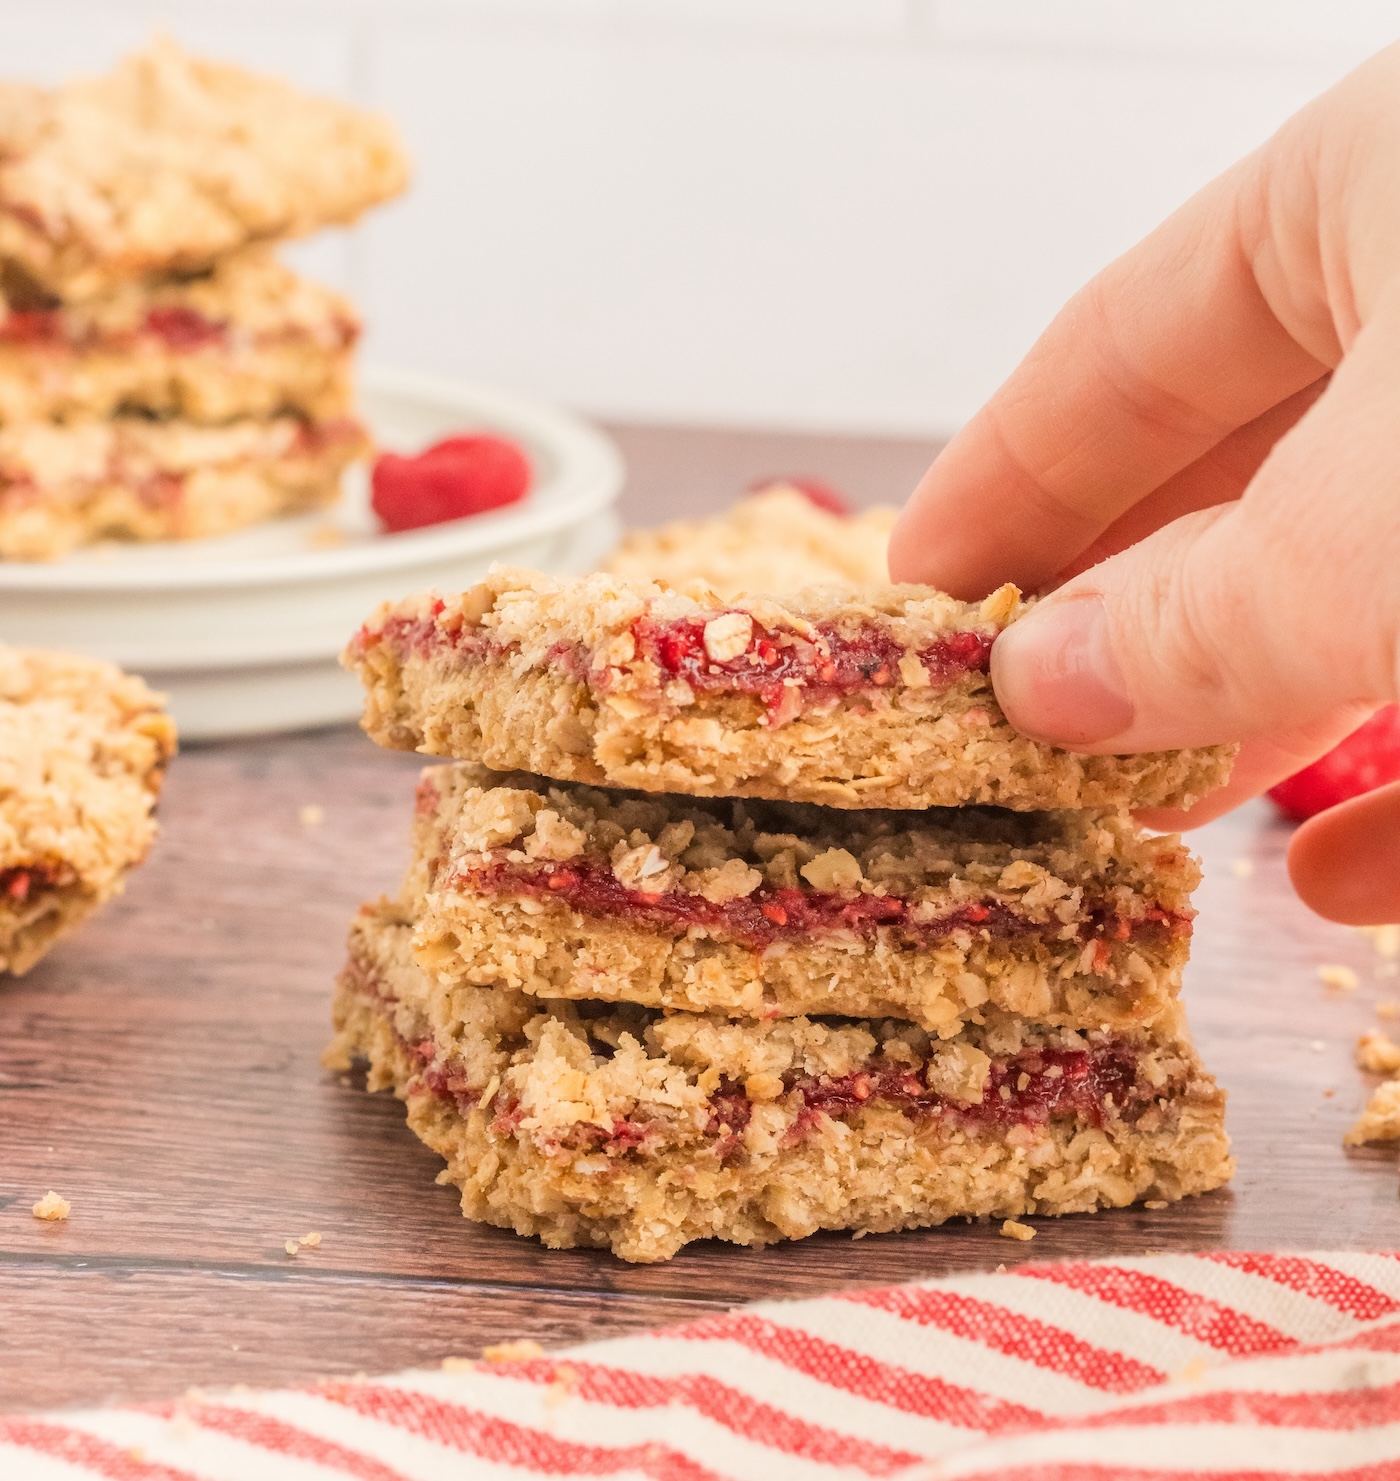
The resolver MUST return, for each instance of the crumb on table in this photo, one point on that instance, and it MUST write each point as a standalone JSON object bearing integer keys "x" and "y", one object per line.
{"x": 520, "y": 1351}
{"x": 1013, "y": 1230}
{"x": 1386, "y": 939}
{"x": 1377, "y": 1053}
{"x": 1341, "y": 978}
{"x": 52, "y": 1206}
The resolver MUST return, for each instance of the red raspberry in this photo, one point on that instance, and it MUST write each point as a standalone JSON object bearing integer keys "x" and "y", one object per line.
{"x": 1368, "y": 758}
{"x": 451, "y": 479}
{"x": 821, "y": 494}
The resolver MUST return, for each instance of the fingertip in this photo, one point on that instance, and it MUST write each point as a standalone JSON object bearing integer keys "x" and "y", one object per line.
{"x": 1056, "y": 677}
{"x": 1345, "y": 862}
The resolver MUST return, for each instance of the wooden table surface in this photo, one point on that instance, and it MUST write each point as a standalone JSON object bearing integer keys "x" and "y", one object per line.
{"x": 160, "y": 1069}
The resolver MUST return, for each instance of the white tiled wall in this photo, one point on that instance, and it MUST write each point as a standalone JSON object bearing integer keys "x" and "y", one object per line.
{"x": 847, "y": 214}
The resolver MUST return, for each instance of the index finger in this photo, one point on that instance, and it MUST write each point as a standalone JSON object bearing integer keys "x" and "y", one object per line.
{"x": 1166, "y": 352}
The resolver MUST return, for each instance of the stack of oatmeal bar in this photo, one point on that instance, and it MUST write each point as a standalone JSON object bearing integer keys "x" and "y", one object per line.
{"x": 162, "y": 375}
{"x": 764, "y": 921}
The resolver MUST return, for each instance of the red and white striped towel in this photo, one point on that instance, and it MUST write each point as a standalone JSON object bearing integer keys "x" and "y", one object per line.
{"x": 1248, "y": 1366}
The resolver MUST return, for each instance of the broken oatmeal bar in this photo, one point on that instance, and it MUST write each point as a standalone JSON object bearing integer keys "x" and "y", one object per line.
{"x": 83, "y": 751}
{"x": 760, "y": 909}
{"x": 63, "y": 485}
{"x": 776, "y": 540}
{"x": 639, "y": 1130}
{"x": 248, "y": 338}
{"x": 877, "y": 698}
{"x": 171, "y": 161}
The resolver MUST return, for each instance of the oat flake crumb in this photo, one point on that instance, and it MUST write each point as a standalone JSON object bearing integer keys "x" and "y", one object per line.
{"x": 291, "y": 1247}
{"x": 512, "y": 1352}
{"x": 52, "y": 1206}
{"x": 1386, "y": 939}
{"x": 309, "y": 1241}
{"x": 1012, "y": 1230}
{"x": 1155, "y": 1203}
{"x": 1341, "y": 978}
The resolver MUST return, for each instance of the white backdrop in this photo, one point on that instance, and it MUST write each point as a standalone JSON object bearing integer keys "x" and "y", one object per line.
{"x": 841, "y": 214}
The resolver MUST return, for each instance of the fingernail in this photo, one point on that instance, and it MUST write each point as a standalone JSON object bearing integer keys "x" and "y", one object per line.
{"x": 1055, "y": 675}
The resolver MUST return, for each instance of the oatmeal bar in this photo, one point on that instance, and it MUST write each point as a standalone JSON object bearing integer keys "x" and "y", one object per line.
{"x": 248, "y": 338}
{"x": 65, "y": 485}
{"x": 877, "y": 698}
{"x": 170, "y": 161}
{"x": 636, "y": 1130}
{"x": 761, "y": 909}
{"x": 83, "y": 750}
{"x": 777, "y": 540}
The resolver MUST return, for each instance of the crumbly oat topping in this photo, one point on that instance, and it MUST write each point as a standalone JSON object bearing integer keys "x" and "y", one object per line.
{"x": 169, "y": 161}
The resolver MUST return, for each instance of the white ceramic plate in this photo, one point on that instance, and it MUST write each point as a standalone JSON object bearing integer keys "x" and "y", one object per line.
{"x": 242, "y": 631}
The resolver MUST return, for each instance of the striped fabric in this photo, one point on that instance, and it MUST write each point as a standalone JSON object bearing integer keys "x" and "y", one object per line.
{"x": 1247, "y": 1366}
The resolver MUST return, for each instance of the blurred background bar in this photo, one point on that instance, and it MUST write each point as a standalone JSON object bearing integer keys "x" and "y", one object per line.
{"x": 846, "y": 216}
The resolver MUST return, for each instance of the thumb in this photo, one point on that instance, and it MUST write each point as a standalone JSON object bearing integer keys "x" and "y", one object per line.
{"x": 1243, "y": 621}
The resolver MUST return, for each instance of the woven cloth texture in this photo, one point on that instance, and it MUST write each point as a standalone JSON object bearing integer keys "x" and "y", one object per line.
{"x": 1248, "y": 1366}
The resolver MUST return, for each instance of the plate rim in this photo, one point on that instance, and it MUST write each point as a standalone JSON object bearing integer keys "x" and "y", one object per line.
{"x": 593, "y": 472}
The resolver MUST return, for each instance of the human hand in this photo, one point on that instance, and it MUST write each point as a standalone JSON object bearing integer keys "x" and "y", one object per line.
{"x": 1200, "y": 459}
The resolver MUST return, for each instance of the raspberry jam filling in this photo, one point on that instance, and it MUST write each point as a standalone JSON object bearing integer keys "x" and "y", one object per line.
{"x": 1028, "y": 1089}
{"x": 771, "y": 914}
{"x": 783, "y": 670}
{"x": 837, "y": 662}
{"x": 176, "y": 327}
{"x": 19, "y": 883}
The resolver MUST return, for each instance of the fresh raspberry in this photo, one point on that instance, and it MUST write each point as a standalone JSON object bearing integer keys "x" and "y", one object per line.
{"x": 821, "y": 494}
{"x": 451, "y": 479}
{"x": 1368, "y": 758}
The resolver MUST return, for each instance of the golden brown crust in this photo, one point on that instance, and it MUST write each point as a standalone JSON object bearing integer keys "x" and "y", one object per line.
{"x": 612, "y": 1131}
{"x": 66, "y": 485}
{"x": 249, "y": 338}
{"x": 170, "y": 161}
{"x": 762, "y": 909}
{"x": 562, "y": 678}
{"x": 83, "y": 751}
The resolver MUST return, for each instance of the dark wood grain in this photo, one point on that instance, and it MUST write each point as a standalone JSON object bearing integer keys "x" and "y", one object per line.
{"x": 160, "y": 1069}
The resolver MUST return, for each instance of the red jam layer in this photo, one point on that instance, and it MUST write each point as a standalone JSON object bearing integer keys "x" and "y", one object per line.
{"x": 783, "y": 670}
{"x": 771, "y": 914}
{"x": 177, "y": 328}
{"x": 775, "y": 662}
{"x": 1029, "y": 1089}
{"x": 17, "y": 884}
